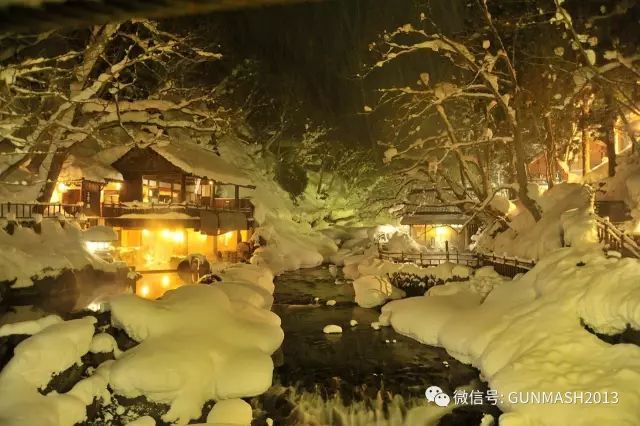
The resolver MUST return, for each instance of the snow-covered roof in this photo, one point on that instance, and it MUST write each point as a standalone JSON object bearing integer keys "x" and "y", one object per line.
{"x": 96, "y": 168}
{"x": 200, "y": 161}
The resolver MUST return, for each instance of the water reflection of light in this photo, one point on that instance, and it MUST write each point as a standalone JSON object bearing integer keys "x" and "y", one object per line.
{"x": 153, "y": 285}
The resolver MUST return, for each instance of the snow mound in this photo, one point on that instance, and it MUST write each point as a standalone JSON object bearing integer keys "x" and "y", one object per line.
{"x": 197, "y": 344}
{"x": 232, "y": 412}
{"x": 35, "y": 360}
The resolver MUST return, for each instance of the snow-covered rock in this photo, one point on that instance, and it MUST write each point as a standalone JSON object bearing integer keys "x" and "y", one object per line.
{"x": 372, "y": 291}
{"x": 332, "y": 329}
{"x": 231, "y": 412}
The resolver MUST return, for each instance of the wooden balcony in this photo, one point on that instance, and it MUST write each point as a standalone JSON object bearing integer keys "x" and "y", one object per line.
{"x": 242, "y": 205}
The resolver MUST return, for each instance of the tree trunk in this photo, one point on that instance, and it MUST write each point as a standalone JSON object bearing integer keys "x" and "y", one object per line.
{"x": 550, "y": 152}
{"x": 59, "y": 157}
{"x": 585, "y": 144}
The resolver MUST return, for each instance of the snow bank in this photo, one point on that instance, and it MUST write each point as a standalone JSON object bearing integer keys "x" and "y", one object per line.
{"x": 197, "y": 344}
{"x": 527, "y": 239}
{"x": 35, "y": 360}
{"x": 29, "y": 327}
{"x": 527, "y": 335}
{"x": 26, "y": 255}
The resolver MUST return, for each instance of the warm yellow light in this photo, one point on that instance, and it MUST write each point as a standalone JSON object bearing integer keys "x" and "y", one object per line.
{"x": 62, "y": 187}
{"x": 227, "y": 237}
{"x": 144, "y": 291}
{"x": 178, "y": 237}
{"x": 203, "y": 237}
{"x": 118, "y": 186}
{"x": 165, "y": 281}
{"x": 441, "y": 231}
{"x": 145, "y": 232}
{"x": 165, "y": 233}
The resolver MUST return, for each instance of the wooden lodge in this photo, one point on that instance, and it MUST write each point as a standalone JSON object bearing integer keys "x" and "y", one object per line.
{"x": 165, "y": 201}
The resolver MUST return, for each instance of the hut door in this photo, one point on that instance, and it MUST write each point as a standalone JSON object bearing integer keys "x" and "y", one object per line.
{"x": 91, "y": 198}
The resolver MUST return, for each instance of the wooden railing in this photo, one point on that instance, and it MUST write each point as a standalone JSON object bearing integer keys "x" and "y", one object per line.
{"x": 504, "y": 265}
{"x": 616, "y": 239}
{"x": 23, "y": 211}
{"x": 243, "y": 205}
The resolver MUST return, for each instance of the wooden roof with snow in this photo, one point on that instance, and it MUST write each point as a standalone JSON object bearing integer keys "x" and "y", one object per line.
{"x": 187, "y": 157}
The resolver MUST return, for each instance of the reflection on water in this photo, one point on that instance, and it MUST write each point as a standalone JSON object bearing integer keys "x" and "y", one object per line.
{"x": 153, "y": 285}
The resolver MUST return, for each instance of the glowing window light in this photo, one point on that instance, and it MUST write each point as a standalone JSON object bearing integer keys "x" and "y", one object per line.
{"x": 144, "y": 291}
{"x": 118, "y": 186}
{"x": 63, "y": 187}
{"x": 165, "y": 233}
{"x": 178, "y": 237}
{"x": 146, "y": 233}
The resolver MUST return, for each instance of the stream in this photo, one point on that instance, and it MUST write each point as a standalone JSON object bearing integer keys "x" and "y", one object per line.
{"x": 361, "y": 377}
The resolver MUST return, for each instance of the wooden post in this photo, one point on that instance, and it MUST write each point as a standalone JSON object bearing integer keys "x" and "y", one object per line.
{"x": 420, "y": 258}
{"x": 402, "y": 256}
{"x": 183, "y": 188}
{"x": 212, "y": 185}
{"x": 446, "y": 248}
{"x": 237, "y": 197}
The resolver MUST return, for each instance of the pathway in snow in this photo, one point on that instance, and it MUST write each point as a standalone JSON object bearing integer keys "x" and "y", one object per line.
{"x": 359, "y": 377}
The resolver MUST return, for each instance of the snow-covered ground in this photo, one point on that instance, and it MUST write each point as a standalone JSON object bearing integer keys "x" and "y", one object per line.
{"x": 527, "y": 335}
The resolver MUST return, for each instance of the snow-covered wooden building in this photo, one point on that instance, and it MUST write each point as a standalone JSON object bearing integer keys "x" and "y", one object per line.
{"x": 164, "y": 200}
{"x": 438, "y": 226}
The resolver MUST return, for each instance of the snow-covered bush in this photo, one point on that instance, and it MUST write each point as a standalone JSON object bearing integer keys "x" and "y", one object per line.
{"x": 528, "y": 239}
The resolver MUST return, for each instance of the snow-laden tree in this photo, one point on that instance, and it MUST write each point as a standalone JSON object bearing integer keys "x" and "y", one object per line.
{"x": 116, "y": 83}
{"x": 489, "y": 97}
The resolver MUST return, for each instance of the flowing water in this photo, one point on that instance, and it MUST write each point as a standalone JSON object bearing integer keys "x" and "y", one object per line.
{"x": 360, "y": 377}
